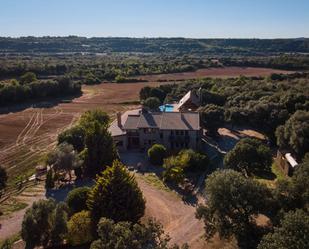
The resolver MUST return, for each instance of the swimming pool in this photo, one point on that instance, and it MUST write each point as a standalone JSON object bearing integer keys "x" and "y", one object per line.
{"x": 166, "y": 108}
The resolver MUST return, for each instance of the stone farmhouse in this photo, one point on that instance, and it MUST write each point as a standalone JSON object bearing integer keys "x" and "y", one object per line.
{"x": 175, "y": 129}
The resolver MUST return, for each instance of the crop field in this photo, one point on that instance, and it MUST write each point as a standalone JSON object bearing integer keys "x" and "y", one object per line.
{"x": 28, "y": 134}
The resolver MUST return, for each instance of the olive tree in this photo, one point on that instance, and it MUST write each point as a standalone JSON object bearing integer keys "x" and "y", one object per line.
{"x": 232, "y": 203}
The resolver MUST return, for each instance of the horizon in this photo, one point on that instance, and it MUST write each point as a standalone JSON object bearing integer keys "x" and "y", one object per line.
{"x": 197, "y": 19}
{"x": 159, "y": 37}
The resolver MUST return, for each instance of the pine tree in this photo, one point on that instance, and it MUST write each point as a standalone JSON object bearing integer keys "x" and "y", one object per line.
{"x": 116, "y": 196}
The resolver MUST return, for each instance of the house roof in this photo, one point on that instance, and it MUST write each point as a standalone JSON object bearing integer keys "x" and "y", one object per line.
{"x": 164, "y": 121}
{"x": 114, "y": 129}
{"x": 190, "y": 96}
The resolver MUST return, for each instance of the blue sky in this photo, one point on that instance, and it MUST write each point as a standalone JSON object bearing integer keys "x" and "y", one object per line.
{"x": 156, "y": 18}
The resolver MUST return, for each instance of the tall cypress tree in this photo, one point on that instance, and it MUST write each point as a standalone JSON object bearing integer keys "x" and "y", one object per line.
{"x": 116, "y": 196}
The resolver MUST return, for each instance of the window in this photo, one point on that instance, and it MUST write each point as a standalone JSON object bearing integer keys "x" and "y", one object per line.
{"x": 187, "y": 133}
{"x": 161, "y": 135}
{"x": 177, "y": 132}
{"x": 119, "y": 143}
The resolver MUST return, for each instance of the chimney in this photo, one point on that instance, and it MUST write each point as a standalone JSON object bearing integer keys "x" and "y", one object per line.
{"x": 119, "y": 119}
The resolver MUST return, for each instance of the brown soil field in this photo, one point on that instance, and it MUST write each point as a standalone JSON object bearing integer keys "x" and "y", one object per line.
{"x": 224, "y": 72}
{"x": 26, "y": 135}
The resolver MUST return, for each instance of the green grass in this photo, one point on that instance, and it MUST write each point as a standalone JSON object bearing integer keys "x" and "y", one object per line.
{"x": 155, "y": 181}
{"x": 279, "y": 174}
{"x": 272, "y": 177}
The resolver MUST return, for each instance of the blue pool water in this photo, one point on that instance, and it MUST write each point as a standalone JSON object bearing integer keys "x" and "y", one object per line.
{"x": 166, "y": 108}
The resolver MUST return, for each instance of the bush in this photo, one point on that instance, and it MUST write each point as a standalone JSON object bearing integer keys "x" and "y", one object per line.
{"x": 191, "y": 160}
{"x": 77, "y": 199}
{"x": 80, "y": 229}
{"x": 173, "y": 172}
{"x": 156, "y": 154}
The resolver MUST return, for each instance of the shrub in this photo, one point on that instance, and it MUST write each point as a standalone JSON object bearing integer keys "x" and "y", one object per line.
{"x": 80, "y": 229}
{"x": 156, "y": 154}
{"x": 77, "y": 199}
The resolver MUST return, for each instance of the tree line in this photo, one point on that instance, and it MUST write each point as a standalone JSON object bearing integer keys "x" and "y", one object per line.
{"x": 94, "y": 68}
{"x": 151, "y": 45}
{"x": 28, "y": 87}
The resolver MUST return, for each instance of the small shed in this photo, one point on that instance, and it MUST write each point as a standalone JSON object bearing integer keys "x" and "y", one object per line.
{"x": 286, "y": 162}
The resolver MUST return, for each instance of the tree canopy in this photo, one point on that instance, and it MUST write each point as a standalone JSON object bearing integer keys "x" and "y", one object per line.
{"x": 293, "y": 193}
{"x": 153, "y": 103}
{"x": 27, "y": 78}
{"x": 77, "y": 198}
{"x": 44, "y": 224}
{"x": 127, "y": 235}
{"x": 64, "y": 158}
{"x": 232, "y": 203}
{"x": 294, "y": 134}
{"x": 292, "y": 233}
{"x": 249, "y": 156}
{"x": 116, "y": 196}
{"x": 99, "y": 149}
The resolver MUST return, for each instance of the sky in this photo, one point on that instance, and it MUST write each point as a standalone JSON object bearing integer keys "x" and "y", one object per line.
{"x": 156, "y": 18}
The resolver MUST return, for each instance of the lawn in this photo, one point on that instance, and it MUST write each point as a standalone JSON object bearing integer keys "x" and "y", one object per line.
{"x": 155, "y": 181}
{"x": 270, "y": 178}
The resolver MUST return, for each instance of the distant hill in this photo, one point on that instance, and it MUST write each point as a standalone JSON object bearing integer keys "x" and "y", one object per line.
{"x": 153, "y": 45}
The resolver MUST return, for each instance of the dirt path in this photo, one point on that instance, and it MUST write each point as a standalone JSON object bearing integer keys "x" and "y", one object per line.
{"x": 11, "y": 224}
{"x": 177, "y": 218}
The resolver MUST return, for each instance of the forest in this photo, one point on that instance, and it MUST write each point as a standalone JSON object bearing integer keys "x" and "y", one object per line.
{"x": 152, "y": 45}
{"x": 28, "y": 87}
